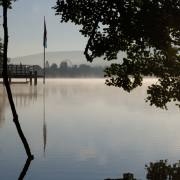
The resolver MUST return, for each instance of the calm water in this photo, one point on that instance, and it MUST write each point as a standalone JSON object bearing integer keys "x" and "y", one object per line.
{"x": 84, "y": 130}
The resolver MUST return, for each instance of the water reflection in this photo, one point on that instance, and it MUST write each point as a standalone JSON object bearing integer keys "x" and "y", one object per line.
{"x": 160, "y": 170}
{"x": 94, "y": 131}
{"x": 25, "y": 169}
{"x": 44, "y": 122}
{"x": 2, "y": 106}
{"x": 23, "y": 95}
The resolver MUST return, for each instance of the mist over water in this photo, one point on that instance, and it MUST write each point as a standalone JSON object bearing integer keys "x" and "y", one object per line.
{"x": 82, "y": 129}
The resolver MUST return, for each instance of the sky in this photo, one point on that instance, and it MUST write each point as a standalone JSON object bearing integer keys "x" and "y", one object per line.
{"x": 25, "y": 22}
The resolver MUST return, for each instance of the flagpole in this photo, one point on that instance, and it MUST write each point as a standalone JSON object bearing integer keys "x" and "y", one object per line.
{"x": 44, "y": 65}
{"x": 44, "y": 44}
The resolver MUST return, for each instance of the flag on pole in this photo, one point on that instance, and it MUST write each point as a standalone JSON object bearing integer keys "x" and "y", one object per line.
{"x": 45, "y": 35}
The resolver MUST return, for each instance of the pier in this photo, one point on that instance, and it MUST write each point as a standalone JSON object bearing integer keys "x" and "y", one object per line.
{"x": 27, "y": 72}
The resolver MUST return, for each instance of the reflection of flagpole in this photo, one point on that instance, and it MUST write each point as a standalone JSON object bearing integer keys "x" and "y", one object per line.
{"x": 44, "y": 123}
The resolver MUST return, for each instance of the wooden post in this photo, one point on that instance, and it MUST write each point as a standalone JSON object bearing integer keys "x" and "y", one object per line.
{"x": 9, "y": 80}
{"x": 9, "y": 74}
{"x": 16, "y": 72}
{"x": 30, "y": 78}
{"x": 35, "y": 78}
{"x": 26, "y": 72}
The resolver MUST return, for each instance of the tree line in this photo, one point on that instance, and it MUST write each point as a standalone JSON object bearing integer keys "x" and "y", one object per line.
{"x": 64, "y": 70}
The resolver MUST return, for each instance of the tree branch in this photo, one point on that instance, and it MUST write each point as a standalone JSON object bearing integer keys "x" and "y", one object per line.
{"x": 6, "y": 82}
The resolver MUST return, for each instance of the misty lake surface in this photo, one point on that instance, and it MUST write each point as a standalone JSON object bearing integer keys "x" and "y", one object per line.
{"x": 83, "y": 130}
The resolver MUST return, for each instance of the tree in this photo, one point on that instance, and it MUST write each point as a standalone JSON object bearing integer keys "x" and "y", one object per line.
{"x": 63, "y": 65}
{"x": 7, "y": 4}
{"x": 54, "y": 67}
{"x": 148, "y": 31}
{"x": 1, "y": 52}
{"x": 47, "y": 65}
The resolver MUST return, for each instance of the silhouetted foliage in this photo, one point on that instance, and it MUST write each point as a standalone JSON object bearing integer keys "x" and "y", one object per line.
{"x": 8, "y": 3}
{"x": 163, "y": 171}
{"x": 148, "y": 31}
{"x": 160, "y": 170}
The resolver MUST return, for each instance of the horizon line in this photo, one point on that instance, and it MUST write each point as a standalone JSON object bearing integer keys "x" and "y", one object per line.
{"x": 38, "y": 53}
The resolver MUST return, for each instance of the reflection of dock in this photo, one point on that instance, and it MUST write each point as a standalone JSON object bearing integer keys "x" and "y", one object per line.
{"x": 23, "y": 96}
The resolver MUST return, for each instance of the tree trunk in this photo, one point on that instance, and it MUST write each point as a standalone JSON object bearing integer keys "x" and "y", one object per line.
{"x": 6, "y": 82}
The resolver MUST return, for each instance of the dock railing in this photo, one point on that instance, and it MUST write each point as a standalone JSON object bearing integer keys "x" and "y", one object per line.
{"x": 22, "y": 71}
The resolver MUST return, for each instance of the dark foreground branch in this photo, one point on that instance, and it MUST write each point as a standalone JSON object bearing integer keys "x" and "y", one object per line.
{"x": 6, "y": 82}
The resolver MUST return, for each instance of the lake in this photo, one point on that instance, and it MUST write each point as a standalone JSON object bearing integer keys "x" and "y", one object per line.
{"x": 81, "y": 129}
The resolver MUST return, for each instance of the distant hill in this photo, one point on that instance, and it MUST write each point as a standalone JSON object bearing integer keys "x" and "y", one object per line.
{"x": 75, "y": 57}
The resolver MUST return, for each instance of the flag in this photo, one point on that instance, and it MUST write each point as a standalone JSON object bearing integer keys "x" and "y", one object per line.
{"x": 45, "y": 35}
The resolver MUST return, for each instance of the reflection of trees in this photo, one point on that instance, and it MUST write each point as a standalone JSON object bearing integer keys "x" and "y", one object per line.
{"x": 159, "y": 170}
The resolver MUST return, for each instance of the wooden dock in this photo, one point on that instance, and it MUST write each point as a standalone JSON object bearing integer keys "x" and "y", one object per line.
{"x": 27, "y": 72}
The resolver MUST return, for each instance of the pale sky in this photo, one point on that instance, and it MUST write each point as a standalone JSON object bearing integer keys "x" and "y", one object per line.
{"x": 26, "y": 29}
